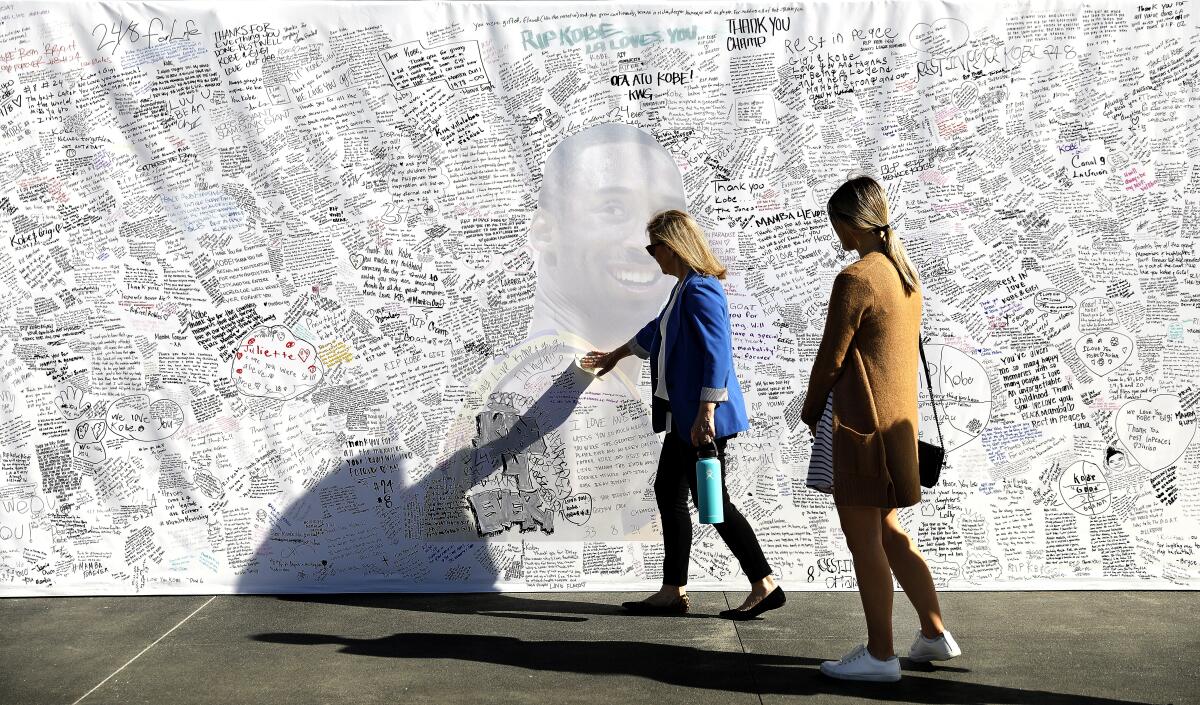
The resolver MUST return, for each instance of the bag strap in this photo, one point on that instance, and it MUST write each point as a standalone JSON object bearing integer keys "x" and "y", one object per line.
{"x": 929, "y": 385}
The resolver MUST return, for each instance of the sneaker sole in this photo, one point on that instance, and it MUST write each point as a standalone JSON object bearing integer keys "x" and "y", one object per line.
{"x": 927, "y": 659}
{"x": 880, "y": 678}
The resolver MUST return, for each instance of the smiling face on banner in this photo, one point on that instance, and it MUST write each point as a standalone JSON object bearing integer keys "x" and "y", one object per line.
{"x": 600, "y": 188}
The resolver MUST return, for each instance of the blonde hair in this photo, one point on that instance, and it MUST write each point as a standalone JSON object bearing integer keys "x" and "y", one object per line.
{"x": 861, "y": 205}
{"x": 680, "y": 232}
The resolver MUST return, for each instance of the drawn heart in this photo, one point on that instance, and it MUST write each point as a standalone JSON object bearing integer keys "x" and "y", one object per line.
{"x": 1104, "y": 352}
{"x": 356, "y": 260}
{"x": 967, "y": 94}
{"x": 940, "y": 38}
{"x": 1155, "y": 431}
{"x": 303, "y": 354}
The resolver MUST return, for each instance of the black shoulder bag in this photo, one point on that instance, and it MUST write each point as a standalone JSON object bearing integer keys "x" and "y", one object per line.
{"x": 930, "y": 457}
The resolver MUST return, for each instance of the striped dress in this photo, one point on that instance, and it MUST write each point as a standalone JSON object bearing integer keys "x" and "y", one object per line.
{"x": 820, "y": 465}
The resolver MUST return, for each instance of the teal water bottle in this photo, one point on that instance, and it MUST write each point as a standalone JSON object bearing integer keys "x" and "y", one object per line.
{"x": 708, "y": 485}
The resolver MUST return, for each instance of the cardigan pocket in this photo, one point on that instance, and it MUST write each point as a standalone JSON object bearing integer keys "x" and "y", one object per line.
{"x": 859, "y": 454}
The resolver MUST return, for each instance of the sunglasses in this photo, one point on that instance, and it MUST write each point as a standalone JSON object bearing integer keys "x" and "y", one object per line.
{"x": 652, "y": 247}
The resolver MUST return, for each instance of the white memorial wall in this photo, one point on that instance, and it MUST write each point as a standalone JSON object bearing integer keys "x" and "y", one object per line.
{"x": 292, "y": 297}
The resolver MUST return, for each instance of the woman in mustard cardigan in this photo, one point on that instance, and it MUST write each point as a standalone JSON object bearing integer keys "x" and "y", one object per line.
{"x": 864, "y": 384}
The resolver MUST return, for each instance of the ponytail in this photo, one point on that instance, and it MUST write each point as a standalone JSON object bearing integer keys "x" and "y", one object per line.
{"x": 894, "y": 249}
{"x": 861, "y": 203}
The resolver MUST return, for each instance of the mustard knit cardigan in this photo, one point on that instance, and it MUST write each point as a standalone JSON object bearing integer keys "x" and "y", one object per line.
{"x": 868, "y": 357}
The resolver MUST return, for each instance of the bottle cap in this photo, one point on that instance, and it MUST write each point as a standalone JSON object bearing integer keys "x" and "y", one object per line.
{"x": 708, "y": 450}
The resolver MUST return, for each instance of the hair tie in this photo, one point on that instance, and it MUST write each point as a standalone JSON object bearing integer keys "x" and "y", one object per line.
{"x": 884, "y": 229}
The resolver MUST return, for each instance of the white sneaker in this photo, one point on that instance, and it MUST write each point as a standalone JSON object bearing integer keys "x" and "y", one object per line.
{"x": 860, "y": 665}
{"x": 925, "y": 650}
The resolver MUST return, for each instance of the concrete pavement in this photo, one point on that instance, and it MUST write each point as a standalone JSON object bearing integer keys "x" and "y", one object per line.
{"x": 1034, "y": 648}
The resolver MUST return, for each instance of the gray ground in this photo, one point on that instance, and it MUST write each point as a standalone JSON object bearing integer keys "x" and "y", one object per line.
{"x": 1036, "y": 648}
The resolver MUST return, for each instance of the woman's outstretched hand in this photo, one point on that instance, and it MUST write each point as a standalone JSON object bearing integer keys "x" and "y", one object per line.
{"x": 603, "y": 361}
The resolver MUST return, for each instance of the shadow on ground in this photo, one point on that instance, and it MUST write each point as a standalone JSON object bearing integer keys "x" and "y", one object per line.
{"x": 682, "y": 666}
{"x": 493, "y": 605}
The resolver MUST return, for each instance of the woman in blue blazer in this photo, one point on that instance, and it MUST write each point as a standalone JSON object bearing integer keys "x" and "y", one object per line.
{"x": 697, "y": 401}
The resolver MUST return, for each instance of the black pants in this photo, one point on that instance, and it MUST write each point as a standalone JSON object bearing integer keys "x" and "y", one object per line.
{"x": 676, "y": 478}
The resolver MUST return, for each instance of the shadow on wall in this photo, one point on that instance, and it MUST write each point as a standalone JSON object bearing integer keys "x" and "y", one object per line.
{"x": 685, "y": 666}
{"x": 363, "y": 528}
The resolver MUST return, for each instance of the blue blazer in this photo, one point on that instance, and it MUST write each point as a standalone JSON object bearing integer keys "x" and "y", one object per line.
{"x": 699, "y": 359}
